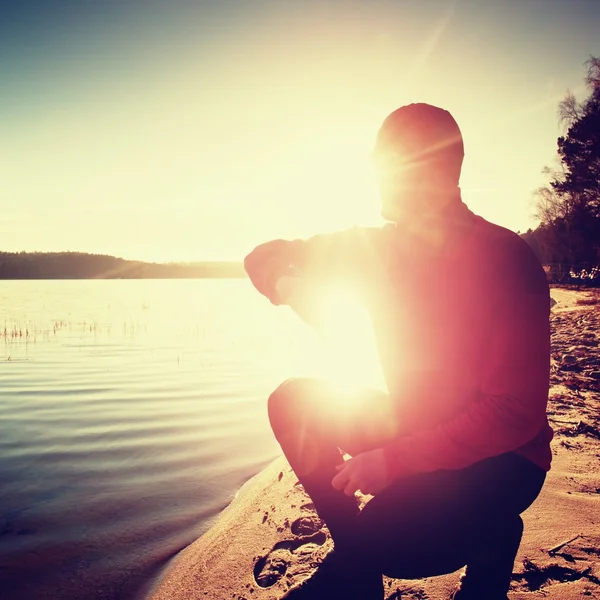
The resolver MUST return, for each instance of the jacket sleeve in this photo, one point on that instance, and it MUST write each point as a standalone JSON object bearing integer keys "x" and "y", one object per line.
{"x": 511, "y": 407}
{"x": 322, "y": 259}
{"x": 270, "y": 261}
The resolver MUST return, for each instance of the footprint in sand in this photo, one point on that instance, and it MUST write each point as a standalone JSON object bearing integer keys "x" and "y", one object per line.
{"x": 402, "y": 595}
{"x": 306, "y": 525}
{"x": 294, "y": 557}
{"x": 409, "y": 594}
{"x": 536, "y": 577}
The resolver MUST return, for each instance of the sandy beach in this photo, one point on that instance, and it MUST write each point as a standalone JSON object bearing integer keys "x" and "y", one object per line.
{"x": 270, "y": 537}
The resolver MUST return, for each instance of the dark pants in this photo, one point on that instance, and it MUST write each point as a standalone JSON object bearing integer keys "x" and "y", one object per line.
{"x": 419, "y": 526}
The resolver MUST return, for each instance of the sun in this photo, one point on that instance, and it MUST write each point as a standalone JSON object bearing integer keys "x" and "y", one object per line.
{"x": 348, "y": 351}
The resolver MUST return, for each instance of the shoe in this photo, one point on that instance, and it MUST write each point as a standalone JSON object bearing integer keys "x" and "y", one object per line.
{"x": 338, "y": 578}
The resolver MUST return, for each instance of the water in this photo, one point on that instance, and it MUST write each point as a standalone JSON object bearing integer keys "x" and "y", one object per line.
{"x": 130, "y": 413}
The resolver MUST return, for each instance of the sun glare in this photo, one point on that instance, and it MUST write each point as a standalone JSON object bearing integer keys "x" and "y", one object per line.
{"x": 349, "y": 358}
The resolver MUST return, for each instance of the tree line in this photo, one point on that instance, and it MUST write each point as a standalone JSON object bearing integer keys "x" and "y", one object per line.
{"x": 80, "y": 265}
{"x": 567, "y": 240}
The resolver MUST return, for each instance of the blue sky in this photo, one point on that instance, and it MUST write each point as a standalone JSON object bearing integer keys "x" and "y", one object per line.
{"x": 195, "y": 130}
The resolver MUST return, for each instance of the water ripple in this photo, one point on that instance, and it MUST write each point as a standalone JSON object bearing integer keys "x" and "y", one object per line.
{"x": 130, "y": 413}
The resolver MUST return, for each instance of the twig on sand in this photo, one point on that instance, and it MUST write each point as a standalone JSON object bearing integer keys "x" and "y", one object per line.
{"x": 560, "y": 546}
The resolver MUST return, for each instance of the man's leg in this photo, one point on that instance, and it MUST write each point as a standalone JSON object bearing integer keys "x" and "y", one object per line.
{"x": 435, "y": 523}
{"x": 425, "y": 525}
{"x": 312, "y": 420}
{"x": 502, "y": 488}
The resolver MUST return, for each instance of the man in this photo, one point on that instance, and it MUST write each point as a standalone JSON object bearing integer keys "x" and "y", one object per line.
{"x": 460, "y": 445}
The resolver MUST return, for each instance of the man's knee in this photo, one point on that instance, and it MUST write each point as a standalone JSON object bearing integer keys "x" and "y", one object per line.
{"x": 285, "y": 404}
{"x": 296, "y": 422}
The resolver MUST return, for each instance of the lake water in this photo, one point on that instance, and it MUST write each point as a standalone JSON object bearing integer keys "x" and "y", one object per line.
{"x": 130, "y": 413}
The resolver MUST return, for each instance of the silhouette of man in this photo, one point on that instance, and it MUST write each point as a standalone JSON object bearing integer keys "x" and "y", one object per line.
{"x": 459, "y": 447}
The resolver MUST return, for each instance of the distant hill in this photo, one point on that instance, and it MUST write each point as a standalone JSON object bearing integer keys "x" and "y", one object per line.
{"x": 79, "y": 265}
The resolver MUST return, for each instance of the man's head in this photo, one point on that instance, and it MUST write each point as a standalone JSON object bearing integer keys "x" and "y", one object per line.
{"x": 418, "y": 156}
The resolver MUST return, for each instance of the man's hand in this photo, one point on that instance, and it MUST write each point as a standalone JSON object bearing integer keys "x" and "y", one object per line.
{"x": 367, "y": 472}
{"x": 267, "y": 263}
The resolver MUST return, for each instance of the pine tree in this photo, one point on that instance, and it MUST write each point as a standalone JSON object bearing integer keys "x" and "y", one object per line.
{"x": 569, "y": 208}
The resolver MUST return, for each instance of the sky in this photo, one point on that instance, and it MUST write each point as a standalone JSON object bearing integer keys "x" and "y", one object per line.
{"x": 183, "y": 131}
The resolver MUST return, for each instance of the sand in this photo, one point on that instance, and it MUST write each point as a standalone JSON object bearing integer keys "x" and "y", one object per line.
{"x": 270, "y": 537}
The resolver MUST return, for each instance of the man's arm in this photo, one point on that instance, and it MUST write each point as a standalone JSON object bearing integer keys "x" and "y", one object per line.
{"x": 270, "y": 261}
{"x": 511, "y": 409}
{"x": 294, "y": 272}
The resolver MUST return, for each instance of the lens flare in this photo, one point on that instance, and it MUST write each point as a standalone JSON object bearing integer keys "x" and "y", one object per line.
{"x": 350, "y": 359}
